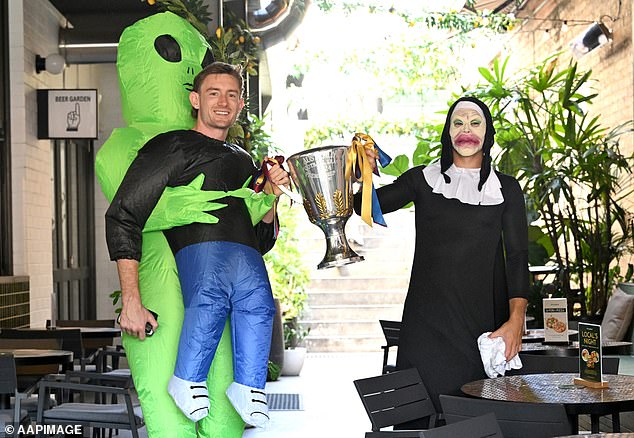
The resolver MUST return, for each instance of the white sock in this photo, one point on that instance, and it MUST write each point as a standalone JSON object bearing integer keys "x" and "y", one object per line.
{"x": 191, "y": 397}
{"x": 250, "y": 403}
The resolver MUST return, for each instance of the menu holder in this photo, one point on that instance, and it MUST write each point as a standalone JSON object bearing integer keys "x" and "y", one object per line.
{"x": 590, "y": 357}
{"x": 556, "y": 321}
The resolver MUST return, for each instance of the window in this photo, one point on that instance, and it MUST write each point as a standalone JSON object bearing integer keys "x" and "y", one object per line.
{"x": 73, "y": 229}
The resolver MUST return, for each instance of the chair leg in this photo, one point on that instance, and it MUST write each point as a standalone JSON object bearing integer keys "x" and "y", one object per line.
{"x": 385, "y": 355}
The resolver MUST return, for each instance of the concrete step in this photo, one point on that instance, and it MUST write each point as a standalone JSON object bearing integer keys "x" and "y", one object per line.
{"x": 376, "y": 264}
{"x": 332, "y": 297}
{"x": 353, "y": 312}
{"x": 345, "y": 343}
{"x": 355, "y": 284}
{"x": 366, "y": 328}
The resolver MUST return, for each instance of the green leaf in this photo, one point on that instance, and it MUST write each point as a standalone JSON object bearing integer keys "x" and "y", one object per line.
{"x": 486, "y": 74}
{"x": 398, "y": 165}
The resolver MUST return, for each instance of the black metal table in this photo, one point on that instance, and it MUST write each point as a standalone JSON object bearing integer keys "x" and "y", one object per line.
{"x": 607, "y": 347}
{"x": 559, "y": 388}
{"x": 537, "y": 335}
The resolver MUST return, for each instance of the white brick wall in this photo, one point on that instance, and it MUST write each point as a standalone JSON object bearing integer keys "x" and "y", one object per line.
{"x": 109, "y": 118}
{"x": 34, "y": 27}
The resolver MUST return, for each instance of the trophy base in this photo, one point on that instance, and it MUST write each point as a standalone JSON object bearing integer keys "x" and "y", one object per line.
{"x": 340, "y": 262}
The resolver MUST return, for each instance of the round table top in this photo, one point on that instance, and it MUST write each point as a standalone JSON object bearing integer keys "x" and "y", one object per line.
{"x": 537, "y": 335}
{"x": 552, "y": 388}
{"x": 601, "y": 435}
{"x": 607, "y": 346}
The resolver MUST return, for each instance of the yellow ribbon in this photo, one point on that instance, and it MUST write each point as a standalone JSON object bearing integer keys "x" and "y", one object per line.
{"x": 357, "y": 156}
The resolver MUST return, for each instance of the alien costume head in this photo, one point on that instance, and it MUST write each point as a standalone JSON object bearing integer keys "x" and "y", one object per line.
{"x": 446, "y": 158}
{"x": 149, "y": 58}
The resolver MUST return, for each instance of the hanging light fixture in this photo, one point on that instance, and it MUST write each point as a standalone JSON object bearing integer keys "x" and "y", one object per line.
{"x": 596, "y": 35}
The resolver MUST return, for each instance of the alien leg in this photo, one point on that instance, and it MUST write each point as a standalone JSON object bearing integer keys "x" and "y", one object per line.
{"x": 252, "y": 323}
{"x": 206, "y": 309}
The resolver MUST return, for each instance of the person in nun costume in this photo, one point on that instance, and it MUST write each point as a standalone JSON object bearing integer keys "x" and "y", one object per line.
{"x": 470, "y": 269}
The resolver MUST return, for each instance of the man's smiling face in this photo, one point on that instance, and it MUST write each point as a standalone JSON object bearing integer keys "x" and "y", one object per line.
{"x": 219, "y": 101}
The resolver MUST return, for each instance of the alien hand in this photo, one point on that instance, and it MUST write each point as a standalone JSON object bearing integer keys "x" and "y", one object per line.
{"x": 184, "y": 205}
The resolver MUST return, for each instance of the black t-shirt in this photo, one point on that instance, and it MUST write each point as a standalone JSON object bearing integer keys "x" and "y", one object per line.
{"x": 174, "y": 159}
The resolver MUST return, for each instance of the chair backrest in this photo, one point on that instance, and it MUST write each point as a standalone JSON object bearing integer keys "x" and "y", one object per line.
{"x": 93, "y": 343}
{"x": 516, "y": 420}
{"x": 395, "y": 398}
{"x": 8, "y": 379}
{"x": 391, "y": 331}
{"x": 30, "y": 338}
{"x": 543, "y": 363}
{"x": 484, "y": 426}
{"x": 628, "y": 288}
{"x": 67, "y": 339}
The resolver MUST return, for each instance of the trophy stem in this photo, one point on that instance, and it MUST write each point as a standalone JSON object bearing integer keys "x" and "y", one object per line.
{"x": 338, "y": 251}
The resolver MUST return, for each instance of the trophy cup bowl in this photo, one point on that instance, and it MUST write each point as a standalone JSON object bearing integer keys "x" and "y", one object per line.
{"x": 320, "y": 176}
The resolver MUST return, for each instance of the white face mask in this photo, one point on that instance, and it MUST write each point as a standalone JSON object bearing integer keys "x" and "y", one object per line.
{"x": 467, "y": 130}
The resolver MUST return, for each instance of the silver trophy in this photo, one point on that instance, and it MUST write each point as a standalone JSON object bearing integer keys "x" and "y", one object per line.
{"x": 320, "y": 176}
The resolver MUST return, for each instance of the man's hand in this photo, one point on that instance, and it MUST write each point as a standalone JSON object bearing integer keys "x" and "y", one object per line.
{"x": 371, "y": 155}
{"x": 133, "y": 315}
{"x": 134, "y": 318}
{"x": 513, "y": 329}
{"x": 278, "y": 177}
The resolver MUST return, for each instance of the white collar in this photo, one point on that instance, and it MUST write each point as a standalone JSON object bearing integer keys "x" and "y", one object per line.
{"x": 464, "y": 185}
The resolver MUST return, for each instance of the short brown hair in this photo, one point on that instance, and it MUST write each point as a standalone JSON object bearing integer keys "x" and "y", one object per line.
{"x": 217, "y": 68}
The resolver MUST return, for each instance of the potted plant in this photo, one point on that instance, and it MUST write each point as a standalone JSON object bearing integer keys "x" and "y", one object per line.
{"x": 289, "y": 279}
{"x": 294, "y": 351}
{"x": 573, "y": 174}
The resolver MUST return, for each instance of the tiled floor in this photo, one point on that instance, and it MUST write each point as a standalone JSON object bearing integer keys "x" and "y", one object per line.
{"x": 331, "y": 405}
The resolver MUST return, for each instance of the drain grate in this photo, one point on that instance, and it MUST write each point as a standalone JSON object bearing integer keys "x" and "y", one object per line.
{"x": 285, "y": 402}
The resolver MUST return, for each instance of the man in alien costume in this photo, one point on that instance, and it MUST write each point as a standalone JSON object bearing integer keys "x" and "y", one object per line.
{"x": 157, "y": 60}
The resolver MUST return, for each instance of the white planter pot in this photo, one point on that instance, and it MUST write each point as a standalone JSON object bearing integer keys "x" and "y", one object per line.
{"x": 293, "y": 361}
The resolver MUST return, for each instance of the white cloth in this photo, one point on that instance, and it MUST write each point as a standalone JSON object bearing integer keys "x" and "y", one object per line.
{"x": 468, "y": 105}
{"x": 464, "y": 185}
{"x": 492, "y": 354}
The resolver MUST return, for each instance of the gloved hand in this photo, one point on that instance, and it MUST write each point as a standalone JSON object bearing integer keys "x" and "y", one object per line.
{"x": 184, "y": 205}
{"x": 258, "y": 204}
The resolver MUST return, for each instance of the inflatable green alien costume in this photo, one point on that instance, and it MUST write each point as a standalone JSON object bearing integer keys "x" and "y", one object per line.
{"x": 157, "y": 60}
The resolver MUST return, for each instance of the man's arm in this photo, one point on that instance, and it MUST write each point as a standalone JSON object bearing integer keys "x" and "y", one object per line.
{"x": 137, "y": 195}
{"x": 133, "y": 315}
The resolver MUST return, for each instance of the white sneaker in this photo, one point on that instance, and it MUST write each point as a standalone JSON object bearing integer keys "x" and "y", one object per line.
{"x": 191, "y": 397}
{"x": 250, "y": 403}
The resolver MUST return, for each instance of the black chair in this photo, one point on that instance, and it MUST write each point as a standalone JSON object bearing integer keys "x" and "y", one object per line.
{"x": 543, "y": 363}
{"x": 395, "y": 398}
{"x": 391, "y": 331}
{"x": 95, "y": 415}
{"x": 484, "y": 426}
{"x": 9, "y": 388}
{"x": 92, "y": 344}
{"x": 516, "y": 420}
